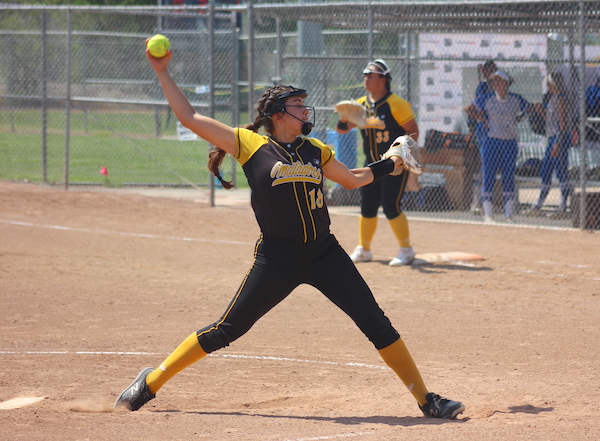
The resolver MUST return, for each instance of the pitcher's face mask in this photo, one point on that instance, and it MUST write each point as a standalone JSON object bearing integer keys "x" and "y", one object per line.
{"x": 307, "y": 126}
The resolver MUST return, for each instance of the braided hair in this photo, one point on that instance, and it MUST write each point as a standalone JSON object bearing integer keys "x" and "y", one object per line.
{"x": 267, "y": 106}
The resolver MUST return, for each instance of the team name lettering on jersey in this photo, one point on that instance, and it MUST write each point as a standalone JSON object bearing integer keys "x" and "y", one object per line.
{"x": 295, "y": 172}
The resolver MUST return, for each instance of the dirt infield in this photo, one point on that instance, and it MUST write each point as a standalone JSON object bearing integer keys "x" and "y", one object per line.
{"x": 95, "y": 286}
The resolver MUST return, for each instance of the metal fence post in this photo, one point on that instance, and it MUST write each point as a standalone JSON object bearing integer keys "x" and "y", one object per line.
{"x": 235, "y": 84}
{"x": 68, "y": 98}
{"x": 582, "y": 120}
{"x": 44, "y": 103}
{"x": 250, "y": 60}
{"x": 211, "y": 80}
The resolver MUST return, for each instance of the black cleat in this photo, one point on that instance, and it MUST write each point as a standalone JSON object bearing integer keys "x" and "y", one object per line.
{"x": 137, "y": 393}
{"x": 438, "y": 407}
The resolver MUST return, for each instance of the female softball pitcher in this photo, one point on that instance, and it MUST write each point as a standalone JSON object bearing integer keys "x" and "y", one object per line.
{"x": 285, "y": 172}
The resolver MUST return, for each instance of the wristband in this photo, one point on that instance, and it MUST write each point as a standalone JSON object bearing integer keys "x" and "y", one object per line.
{"x": 342, "y": 125}
{"x": 382, "y": 168}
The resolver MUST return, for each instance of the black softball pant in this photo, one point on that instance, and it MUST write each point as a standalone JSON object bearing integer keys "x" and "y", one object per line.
{"x": 279, "y": 267}
{"x": 387, "y": 193}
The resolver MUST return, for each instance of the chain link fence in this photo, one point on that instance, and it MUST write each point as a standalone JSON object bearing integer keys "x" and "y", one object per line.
{"x": 80, "y": 105}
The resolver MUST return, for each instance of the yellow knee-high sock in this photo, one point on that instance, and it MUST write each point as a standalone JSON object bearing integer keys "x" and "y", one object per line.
{"x": 187, "y": 353}
{"x": 397, "y": 357}
{"x": 399, "y": 226}
{"x": 366, "y": 231}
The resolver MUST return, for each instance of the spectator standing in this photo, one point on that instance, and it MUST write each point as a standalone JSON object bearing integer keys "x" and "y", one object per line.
{"x": 556, "y": 158}
{"x": 500, "y": 111}
{"x": 480, "y": 129}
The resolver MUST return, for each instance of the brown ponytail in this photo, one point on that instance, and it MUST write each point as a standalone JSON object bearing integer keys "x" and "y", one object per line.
{"x": 215, "y": 158}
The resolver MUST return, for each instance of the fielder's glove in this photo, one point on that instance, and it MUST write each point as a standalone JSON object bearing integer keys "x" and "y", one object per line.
{"x": 353, "y": 111}
{"x": 406, "y": 149}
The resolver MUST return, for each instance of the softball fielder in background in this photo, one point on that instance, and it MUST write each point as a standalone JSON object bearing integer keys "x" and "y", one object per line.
{"x": 389, "y": 116}
{"x": 285, "y": 172}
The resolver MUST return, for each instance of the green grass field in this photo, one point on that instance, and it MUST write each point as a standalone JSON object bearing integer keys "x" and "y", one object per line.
{"x": 125, "y": 143}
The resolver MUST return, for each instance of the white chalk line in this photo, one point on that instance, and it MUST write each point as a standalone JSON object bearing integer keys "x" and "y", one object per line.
{"x": 120, "y": 233}
{"x": 341, "y": 435}
{"x": 558, "y": 275}
{"x": 191, "y": 239}
{"x": 342, "y": 211}
{"x": 78, "y": 353}
{"x": 570, "y": 265}
{"x": 299, "y": 360}
{"x": 249, "y": 357}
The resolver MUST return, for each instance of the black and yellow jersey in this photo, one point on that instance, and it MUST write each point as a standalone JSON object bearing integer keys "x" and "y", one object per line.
{"x": 394, "y": 112}
{"x": 286, "y": 181}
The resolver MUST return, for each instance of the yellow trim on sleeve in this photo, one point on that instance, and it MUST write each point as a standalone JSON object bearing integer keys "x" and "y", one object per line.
{"x": 401, "y": 110}
{"x": 248, "y": 143}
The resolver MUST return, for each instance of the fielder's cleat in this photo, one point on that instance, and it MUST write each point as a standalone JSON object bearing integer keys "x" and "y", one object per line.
{"x": 438, "y": 407}
{"x": 488, "y": 220}
{"x": 405, "y": 257}
{"x": 361, "y": 255}
{"x": 137, "y": 393}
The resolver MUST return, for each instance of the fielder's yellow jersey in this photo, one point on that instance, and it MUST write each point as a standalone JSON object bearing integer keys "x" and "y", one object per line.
{"x": 394, "y": 112}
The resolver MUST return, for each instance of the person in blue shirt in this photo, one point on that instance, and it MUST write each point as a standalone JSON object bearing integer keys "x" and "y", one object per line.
{"x": 500, "y": 111}
{"x": 484, "y": 88}
{"x": 480, "y": 130}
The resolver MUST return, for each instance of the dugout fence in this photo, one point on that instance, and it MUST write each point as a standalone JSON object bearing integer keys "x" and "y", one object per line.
{"x": 80, "y": 105}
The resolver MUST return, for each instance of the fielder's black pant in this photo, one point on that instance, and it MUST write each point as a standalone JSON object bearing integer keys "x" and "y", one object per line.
{"x": 386, "y": 193}
{"x": 279, "y": 267}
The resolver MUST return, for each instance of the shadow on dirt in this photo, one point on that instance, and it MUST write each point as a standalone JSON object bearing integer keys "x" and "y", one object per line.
{"x": 528, "y": 408}
{"x": 350, "y": 421}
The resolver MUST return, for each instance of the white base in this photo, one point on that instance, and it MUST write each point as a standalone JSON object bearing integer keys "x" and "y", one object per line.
{"x": 19, "y": 402}
{"x": 452, "y": 256}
